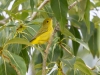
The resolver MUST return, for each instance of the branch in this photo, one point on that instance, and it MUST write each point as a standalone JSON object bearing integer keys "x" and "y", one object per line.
{"x": 42, "y": 4}
{"x": 45, "y": 55}
{"x": 90, "y": 67}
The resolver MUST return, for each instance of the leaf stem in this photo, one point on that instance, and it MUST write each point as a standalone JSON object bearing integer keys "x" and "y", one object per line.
{"x": 66, "y": 50}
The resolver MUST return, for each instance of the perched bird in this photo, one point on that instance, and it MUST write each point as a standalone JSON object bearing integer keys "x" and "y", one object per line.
{"x": 44, "y": 34}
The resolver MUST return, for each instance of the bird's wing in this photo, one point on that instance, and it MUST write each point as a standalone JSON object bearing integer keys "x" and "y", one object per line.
{"x": 41, "y": 31}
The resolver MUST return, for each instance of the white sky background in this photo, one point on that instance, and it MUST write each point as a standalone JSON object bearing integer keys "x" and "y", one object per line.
{"x": 92, "y": 13}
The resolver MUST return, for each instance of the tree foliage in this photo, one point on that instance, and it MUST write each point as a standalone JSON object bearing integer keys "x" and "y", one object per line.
{"x": 75, "y": 36}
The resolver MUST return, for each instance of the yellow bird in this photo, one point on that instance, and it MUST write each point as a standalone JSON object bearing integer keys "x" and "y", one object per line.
{"x": 45, "y": 32}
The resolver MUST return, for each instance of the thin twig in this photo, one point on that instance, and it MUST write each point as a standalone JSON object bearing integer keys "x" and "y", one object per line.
{"x": 72, "y": 5}
{"x": 42, "y": 4}
{"x": 90, "y": 67}
{"x": 66, "y": 50}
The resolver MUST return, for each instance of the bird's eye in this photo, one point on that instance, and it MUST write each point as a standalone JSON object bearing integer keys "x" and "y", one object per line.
{"x": 47, "y": 21}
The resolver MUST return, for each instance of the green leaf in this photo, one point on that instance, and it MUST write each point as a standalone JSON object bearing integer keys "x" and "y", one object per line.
{"x": 39, "y": 59}
{"x": 32, "y": 4}
{"x": 78, "y": 72}
{"x": 67, "y": 33}
{"x": 93, "y": 44}
{"x": 48, "y": 10}
{"x": 38, "y": 65}
{"x": 81, "y": 9}
{"x": 15, "y": 48}
{"x": 80, "y": 65}
{"x": 84, "y": 12}
{"x": 69, "y": 63}
{"x": 36, "y": 21}
{"x": 85, "y": 45}
{"x": 17, "y": 63}
{"x": 17, "y": 16}
{"x": 55, "y": 54}
{"x": 2, "y": 69}
{"x": 84, "y": 31}
{"x": 6, "y": 69}
{"x": 96, "y": 21}
{"x": 70, "y": 72}
{"x": 87, "y": 15}
{"x": 11, "y": 23}
{"x": 24, "y": 15}
{"x": 39, "y": 72}
{"x": 98, "y": 4}
{"x": 74, "y": 19}
{"x": 4, "y": 4}
{"x": 3, "y": 27}
{"x": 18, "y": 41}
{"x": 21, "y": 15}
{"x": 1, "y": 17}
{"x": 24, "y": 54}
{"x": 98, "y": 38}
{"x": 60, "y": 8}
{"x": 16, "y": 4}
{"x": 75, "y": 44}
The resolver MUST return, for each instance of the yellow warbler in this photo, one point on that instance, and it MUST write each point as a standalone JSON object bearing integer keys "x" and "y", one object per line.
{"x": 44, "y": 33}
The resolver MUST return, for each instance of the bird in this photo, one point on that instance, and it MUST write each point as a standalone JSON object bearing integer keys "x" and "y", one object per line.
{"x": 44, "y": 33}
